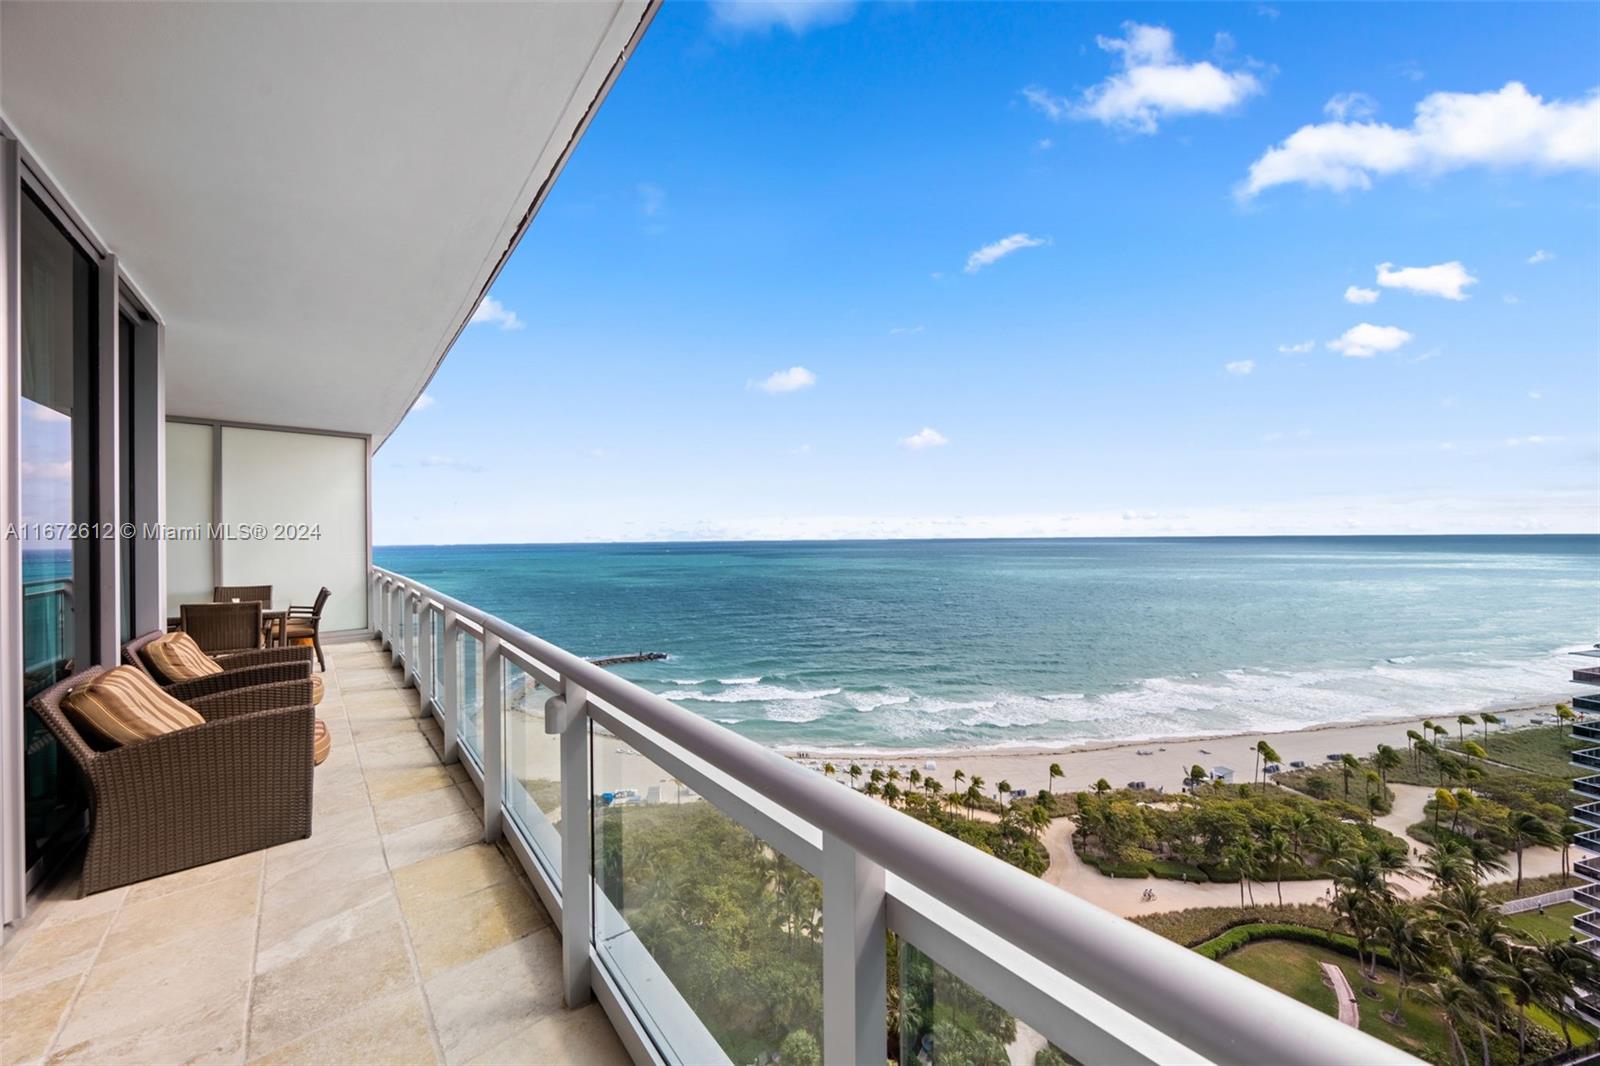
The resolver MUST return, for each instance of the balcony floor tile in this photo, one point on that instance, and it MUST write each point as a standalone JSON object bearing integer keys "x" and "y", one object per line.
{"x": 393, "y": 934}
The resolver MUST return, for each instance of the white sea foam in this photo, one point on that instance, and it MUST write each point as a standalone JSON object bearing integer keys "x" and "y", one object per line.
{"x": 755, "y": 694}
{"x": 738, "y": 680}
{"x": 688, "y": 681}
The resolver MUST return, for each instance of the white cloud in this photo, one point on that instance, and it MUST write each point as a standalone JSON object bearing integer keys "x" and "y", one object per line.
{"x": 55, "y": 471}
{"x": 1342, "y": 106}
{"x": 423, "y": 402}
{"x": 926, "y": 437}
{"x": 991, "y": 253}
{"x": 1536, "y": 395}
{"x": 1297, "y": 349}
{"x": 1241, "y": 367}
{"x": 1154, "y": 84}
{"x": 1366, "y": 340}
{"x": 1505, "y": 128}
{"x": 1541, "y": 256}
{"x": 1531, "y": 441}
{"x": 1511, "y": 298}
{"x": 796, "y": 16}
{"x": 791, "y": 380}
{"x": 651, "y": 198}
{"x": 1044, "y": 144}
{"x": 1444, "y": 279}
{"x": 494, "y": 312}
{"x": 1355, "y": 294}
{"x": 901, "y": 330}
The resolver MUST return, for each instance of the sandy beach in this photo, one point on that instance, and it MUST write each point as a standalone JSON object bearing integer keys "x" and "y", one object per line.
{"x": 1167, "y": 761}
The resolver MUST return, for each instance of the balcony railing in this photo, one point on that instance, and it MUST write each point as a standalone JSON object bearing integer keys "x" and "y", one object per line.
{"x": 548, "y": 736}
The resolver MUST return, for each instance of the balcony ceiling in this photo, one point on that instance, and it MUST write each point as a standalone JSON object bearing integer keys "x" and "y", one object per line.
{"x": 313, "y": 196}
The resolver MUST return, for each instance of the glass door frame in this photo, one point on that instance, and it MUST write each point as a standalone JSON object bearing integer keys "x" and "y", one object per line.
{"x": 97, "y": 495}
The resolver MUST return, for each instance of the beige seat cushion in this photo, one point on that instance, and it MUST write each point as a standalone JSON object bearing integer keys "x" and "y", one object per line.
{"x": 321, "y": 743}
{"x": 178, "y": 658}
{"x": 123, "y": 706}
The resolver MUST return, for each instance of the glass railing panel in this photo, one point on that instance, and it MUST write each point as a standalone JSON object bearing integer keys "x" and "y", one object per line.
{"x": 436, "y": 623}
{"x": 469, "y": 671}
{"x": 940, "y": 1020}
{"x": 533, "y": 766}
{"x": 716, "y": 937}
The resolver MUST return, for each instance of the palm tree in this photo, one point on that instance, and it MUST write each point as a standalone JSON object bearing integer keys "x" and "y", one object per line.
{"x": 1347, "y": 764}
{"x": 854, "y": 772}
{"x": 829, "y": 769}
{"x": 1101, "y": 787}
{"x": 1412, "y": 739}
{"x": 1038, "y": 818}
{"x": 915, "y": 776}
{"x": 1473, "y": 749}
{"x": 1458, "y": 1005}
{"x": 1527, "y": 828}
{"x": 1462, "y": 721}
{"x": 1410, "y": 945}
{"x": 976, "y": 782}
{"x": 1002, "y": 788}
{"x": 1263, "y": 750}
{"x": 1527, "y": 978}
{"x": 1297, "y": 824}
{"x": 876, "y": 776}
{"x": 1564, "y": 717}
{"x": 974, "y": 794}
{"x": 1569, "y": 836}
{"x": 1488, "y": 720}
{"x": 1443, "y": 800}
{"x": 1197, "y": 774}
{"x": 891, "y": 793}
{"x": 1569, "y": 964}
{"x": 871, "y": 789}
{"x": 1241, "y": 857}
{"x": 958, "y": 777}
{"x": 1055, "y": 772}
{"x": 1440, "y": 731}
{"x": 894, "y": 773}
{"x": 1371, "y": 777}
{"x": 1277, "y": 850}
{"x": 1448, "y": 863}
{"x": 1385, "y": 760}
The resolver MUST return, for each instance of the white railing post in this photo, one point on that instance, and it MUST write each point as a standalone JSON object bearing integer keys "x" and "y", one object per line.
{"x": 413, "y": 636}
{"x": 424, "y": 656}
{"x": 854, "y": 973}
{"x": 382, "y": 592}
{"x": 564, "y": 714}
{"x": 451, "y": 688}
{"x": 374, "y": 626}
{"x": 492, "y": 687}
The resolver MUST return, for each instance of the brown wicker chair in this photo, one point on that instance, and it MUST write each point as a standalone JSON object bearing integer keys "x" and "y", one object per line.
{"x": 239, "y": 669}
{"x": 306, "y": 622}
{"x": 222, "y": 627}
{"x": 238, "y": 783}
{"x": 261, "y": 594}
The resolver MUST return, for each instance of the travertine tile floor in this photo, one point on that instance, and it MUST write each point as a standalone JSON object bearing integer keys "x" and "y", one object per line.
{"x": 392, "y": 935}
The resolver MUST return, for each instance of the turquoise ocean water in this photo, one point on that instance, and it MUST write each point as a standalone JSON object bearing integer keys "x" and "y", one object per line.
{"x": 918, "y": 645}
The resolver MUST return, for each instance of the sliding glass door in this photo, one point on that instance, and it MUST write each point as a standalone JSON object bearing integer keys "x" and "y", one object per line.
{"x": 57, "y": 312}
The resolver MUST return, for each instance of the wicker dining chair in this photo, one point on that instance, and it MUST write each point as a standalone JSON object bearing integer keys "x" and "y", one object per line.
{"x": 306, "y": 623}
{"x": 238, "y": 783}
{"x": 258, "y": 666}
{"x": 221, "y": 627}
{"x": 261, "y": 594}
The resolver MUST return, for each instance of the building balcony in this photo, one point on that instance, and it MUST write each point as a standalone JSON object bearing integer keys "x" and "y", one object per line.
{"x": 392, "y": 934}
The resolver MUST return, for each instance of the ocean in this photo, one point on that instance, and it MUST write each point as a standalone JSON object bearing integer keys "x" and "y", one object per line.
{"x": 935, "y": 645}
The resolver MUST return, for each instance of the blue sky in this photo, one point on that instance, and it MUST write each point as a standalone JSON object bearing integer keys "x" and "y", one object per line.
{"x": 933, "y": 269}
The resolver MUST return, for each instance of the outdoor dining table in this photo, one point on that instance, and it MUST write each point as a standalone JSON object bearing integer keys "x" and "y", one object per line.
{"x": 275, "y": 623}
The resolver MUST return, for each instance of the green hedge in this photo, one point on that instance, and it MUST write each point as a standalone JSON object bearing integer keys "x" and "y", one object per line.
{"x": 1240, "y": 935}
{"x": 1198, "y": 924}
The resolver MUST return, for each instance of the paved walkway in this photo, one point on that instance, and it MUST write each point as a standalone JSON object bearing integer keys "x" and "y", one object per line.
{"x": 392, "y": 935}
{"x": 1349, "y": 1010}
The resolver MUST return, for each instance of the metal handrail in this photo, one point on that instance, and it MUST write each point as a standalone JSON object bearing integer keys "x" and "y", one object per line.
{"x": 1222, "y": 1015}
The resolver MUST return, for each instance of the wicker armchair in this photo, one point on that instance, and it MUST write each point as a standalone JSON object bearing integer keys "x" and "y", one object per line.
{"x": 222, "y": 627}
{"x": 239, "y": 669}
{"x": 238, "y": 783}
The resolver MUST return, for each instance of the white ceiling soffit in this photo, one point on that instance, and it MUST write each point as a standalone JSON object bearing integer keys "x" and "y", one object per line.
{"x": 313, "y": 196}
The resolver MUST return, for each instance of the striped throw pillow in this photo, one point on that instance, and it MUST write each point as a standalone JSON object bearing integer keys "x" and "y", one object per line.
{"x": 123, "y": 706}
{"x": 178, "y": 658}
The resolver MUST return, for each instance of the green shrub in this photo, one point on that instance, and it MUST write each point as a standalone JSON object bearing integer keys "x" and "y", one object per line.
{"x": 1199, "y": 924}
{"x": 1177, "y": 871}
{"x": 1240, "y": 935}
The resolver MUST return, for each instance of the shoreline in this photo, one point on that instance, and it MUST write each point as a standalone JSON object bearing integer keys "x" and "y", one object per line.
{"x": 1521, "y": 707}
{"x": 1160, "y": 763}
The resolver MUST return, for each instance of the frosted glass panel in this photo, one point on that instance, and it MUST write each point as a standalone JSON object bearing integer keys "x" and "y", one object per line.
{"x": 312, "y": 488}
{"x": 189, "y": 480}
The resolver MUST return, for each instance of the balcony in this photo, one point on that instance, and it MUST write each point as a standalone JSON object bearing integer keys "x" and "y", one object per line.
{"x": 393, "y": 934}
{"x": 1589, "y": 757}
{"x": 551, "y": 735}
